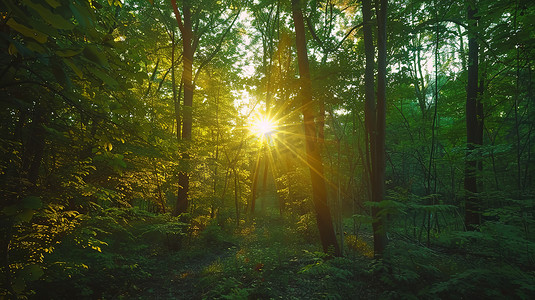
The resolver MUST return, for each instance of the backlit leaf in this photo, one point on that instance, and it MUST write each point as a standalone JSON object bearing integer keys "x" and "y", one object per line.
{"x": 36, "y": 47}
{"x": 53, "y": 3}
{"x": 68, "y": 52}
{"x": 28, "y": 32}
{"x": 76, "y": 70}
{"x": 80, "y": 14}
{"x": 25, "y": 216}
{"x": 55, "y": 20}
{"x": 92, "y": 53}
{"x": 12, "y": 50}
{"x": 104, "y": 77}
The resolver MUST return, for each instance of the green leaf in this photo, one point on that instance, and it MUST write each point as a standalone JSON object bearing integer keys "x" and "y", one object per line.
{"x": 32, "y": 202}
{"x": 71, "y": 64}
{"x": 15, "y": 48}
{"x": 120, "y": 162}
{"x": 120, "y": 111}
{"x": 28, "y": 32}
{"x": 68, "y": 52}
{"x": 363, "y": 218}
{"x": 92, "y": 53}
{"x": 104, "y": 77}
{"x": 35, "y": 47}
{"x": 14, "y": 9}
{"x": 140, "y": 77}
{"x": 18, "y": 285}
{"x": 25, "y": 216}
{"x": 80, "y": 14}
{"x": 10, "y": 210}
{"x": 53, "y": 3}
{"x": 55, "y": 20}
{"x": 12, "y": 50}
{"x": 32, "y": 272}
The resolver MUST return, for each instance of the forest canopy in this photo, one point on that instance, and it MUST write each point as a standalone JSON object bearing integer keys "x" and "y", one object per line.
{"x": 296, "y": 149}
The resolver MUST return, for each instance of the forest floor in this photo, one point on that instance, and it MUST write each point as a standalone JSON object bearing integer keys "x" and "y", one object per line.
{"x": 268, "y": 258}
{"x": 265, "y": 259}
{"x": 132, "y": 254}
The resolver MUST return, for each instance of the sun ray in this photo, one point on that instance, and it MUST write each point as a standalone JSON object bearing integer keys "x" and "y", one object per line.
{"x": 303, "y": 159}
{"x": 263, "y": 127}
{"x": 271, "y": 131}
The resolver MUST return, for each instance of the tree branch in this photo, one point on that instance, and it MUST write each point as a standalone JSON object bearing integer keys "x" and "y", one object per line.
{"x": 177, "y": 16}
{"x": 313, "y": 32}
{"x": 348, "y": 33}
{"x": 217, "y": 49}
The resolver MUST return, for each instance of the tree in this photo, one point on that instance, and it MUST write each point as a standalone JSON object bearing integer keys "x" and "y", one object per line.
{"x": 190, "y": 43}
{"x": 379, "y": 229}
{"x": 473, "y": 118}
{"x": 375, "y": 114}
{"x": 185, "y": 27}
{"x": 313, "y": 157}
{"x": 266, "y": 19}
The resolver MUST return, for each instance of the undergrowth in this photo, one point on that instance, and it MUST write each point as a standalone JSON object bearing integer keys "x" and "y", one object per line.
{"x": 133, "y": 254}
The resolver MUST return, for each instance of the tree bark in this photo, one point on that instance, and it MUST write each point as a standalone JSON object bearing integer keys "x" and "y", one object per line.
{"x": 472, "y": 214}
{"x": 369, "y": 85}
{"x": 176, "y": 96}
{"x": 236, "y": 198}
{"x": 375, "y": 113}
{"x": 379, "y": 230}
{"x": 187, "y": 79}
{"x": 264, "y": 179}
{"x": 313, "y": 158}
{"x": 255, "y": 184}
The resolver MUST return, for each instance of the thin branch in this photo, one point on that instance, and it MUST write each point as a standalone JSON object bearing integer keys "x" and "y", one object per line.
{"x": 320, "y": 42}
{"x": 217, "y": 49}
{"x": 347, "y": 34}
{"x": 313, "y": 32}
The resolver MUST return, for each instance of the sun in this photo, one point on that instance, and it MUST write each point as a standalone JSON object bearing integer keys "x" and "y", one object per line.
{"x": 263, "y": 127}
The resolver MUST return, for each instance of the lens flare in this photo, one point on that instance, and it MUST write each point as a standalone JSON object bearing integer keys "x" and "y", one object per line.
{"x": 263, "y": 127}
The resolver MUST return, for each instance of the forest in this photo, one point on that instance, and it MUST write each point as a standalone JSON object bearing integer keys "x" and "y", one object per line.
{"x": 267, "y": 149}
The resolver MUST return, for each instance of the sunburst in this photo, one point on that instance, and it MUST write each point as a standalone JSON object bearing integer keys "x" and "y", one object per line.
{"x": 263, "y": 127}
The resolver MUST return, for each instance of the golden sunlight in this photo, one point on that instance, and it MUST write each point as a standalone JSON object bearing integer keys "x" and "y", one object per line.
{"x": 263, "y": 127}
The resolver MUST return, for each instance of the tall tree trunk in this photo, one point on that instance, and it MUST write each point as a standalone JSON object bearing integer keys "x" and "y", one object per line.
{"x": 213, "y": 208}
{"x": 255, "y": 184}
{"x": 472, "y": 214}
{"x": 369, "y": 87}
{"x": 314, "y": 161}
{"x": 236, "y": 198}
{"x": 375, "y": 114}
{"x": 176, "y": 96}
{"x": 264, "y": 178}
{"x": 187, "y": 79}
{"x": 479, "y": 105}
{"x": 379, "y": 230}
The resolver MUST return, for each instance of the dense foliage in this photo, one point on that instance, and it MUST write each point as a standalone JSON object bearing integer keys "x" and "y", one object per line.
{"x": 95, "y": 150}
